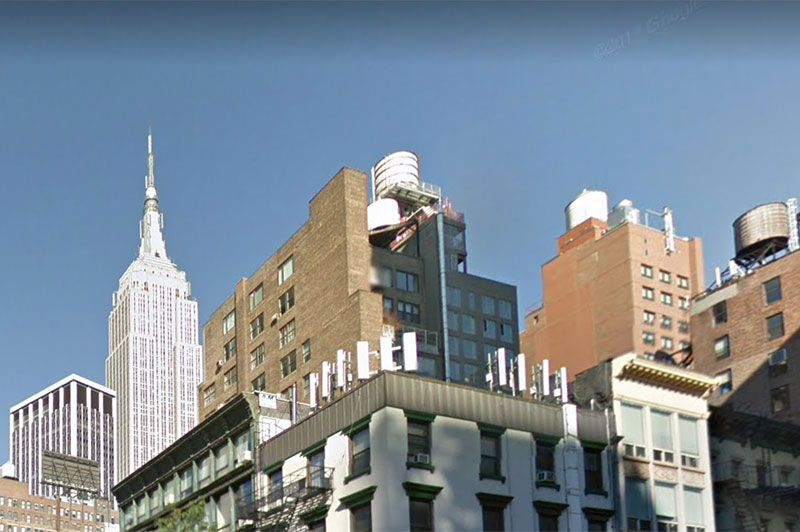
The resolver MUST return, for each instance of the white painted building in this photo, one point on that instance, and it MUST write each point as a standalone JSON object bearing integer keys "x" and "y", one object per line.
{"x": 663, "y": 459}
{"x": 74, "y": 416}
{"x": 402, "y": 452}
{"x": 155, "y": 360}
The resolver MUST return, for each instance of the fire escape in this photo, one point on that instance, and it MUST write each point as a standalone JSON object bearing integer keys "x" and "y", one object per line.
{"x": 282, "y": 508}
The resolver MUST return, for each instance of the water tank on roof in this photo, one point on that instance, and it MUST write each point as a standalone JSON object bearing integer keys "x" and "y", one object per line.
{"x": 588, "y": 204}
{"x": 623, "y": 212}
{"x": 400, "y": 167}
{"x": 382, "y": 213}
{"x": 760, "y": 228}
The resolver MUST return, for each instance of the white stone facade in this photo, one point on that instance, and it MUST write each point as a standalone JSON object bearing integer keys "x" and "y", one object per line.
{"x": 155, "y": 359}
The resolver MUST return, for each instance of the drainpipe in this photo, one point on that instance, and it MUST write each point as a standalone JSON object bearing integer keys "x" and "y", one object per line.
{"x": 443, "y": 290}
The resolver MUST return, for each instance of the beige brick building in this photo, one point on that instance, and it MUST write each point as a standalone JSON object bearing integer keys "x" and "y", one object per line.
{"x": 616, "y": 286}
{"x": 335, "y": 282}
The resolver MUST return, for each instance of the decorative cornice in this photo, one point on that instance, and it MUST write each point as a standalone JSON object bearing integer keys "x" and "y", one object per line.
{"x": 665, "y": 376}
{"x": 421, "y": 491}
{"x": 358, "y": 498}
{"x": 494, "y": 500}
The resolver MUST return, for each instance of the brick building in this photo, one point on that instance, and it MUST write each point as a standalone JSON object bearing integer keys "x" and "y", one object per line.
{"x": 356, "y": 271}
{"x": 745, "y": 332}
{"x": 22, "y": 512}
{"x": 616, "y": 286}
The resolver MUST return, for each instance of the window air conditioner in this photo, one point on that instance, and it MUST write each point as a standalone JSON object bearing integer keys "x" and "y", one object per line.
{"x": 545, "y": 476}
{"x": 246, "y": 456}
{"x": 220, "y": 362}
{"x": 422, "y": 458}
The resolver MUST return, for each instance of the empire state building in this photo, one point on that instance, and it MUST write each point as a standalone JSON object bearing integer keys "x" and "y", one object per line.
{"x": 154, "y": 358}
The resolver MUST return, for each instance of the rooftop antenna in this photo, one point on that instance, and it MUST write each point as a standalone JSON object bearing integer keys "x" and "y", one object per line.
{"x": 410, "y": 361}
{"x": 313, "y": 381}
{"x": 326, "y": 379}
{"x": 521, "y": 384}
{"x": 362, "y": 359}
{"x": 502, "y": 375}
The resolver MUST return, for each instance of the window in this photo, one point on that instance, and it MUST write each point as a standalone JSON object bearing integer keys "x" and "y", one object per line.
{"x": 780, "y": 399}
{"x": 664, "y": 276}
{"x": 209, "y": 394}
{"x": 667, "y": 342}
{"x": 385, "y": 276}
{"x": 647, "y": 293}
{"x": 775, "y": 326}
{"x": 257, "y": 326}
{"x": 778, "y": 364}
{"x": 489, "y": 329}
{"x": 229, "y": 322}
{"x": 286, "y": 301}
{"x": 506, "y": 334}
{"x": 469, "y": 349}
{"x": 306, "y": 350}
{"x": 256, "y": 296}
{"x": 772, "y": 291}
{"x": 722, "y": 347}
{"x": 285, "y": 270}
{"x": 666, "y": 322}
{"x": 683, "y": 282}
{"x": 648, "y": 338}
{"x": 221, "y": 458}
{"x": 490, "y": 455}
{"x": 666, "y": 298}
{"x": 420, "y": 514}
{"x": 647, "y": 271}
{"x": 693, "y": 506}
{"x": 683, "y": 303}
{"x": 487, "y": 305}
{"x": 419, "y": 439}
{"x": 286, "y": 334}
{"x": 452, "y": 320}
{"x": 361, "y": 518}
{"x": 633, "y": 430}
{"x": 453, "y": 296}
{"x": 637, "y": 504}
{"x": 545, "y": 460}
{"x": 230, "y": 378}
{"x": 257, "y": 356}
{"x": 408, "y": 311}
{"x": 305, "y": 385}
{"x": 592, "y": 469}
{"x": 407, "y": 282}
{"x": 275, "y": 486}
{"x": 359, "y": 452}
{"x": 663, "y": 450}
{"x": 725, "y": 381}
{"x": 690, "y": 442}
{"x": 504, "y": 309}
{"x": 288, "y": 364}
{"x": 648, "y": 317}
{"x": 388, "y": 304}
{"x": 492, "y": 517}
{"x": 204, "y": 475}
{"x": 467, "y": 324}
{"x": 683, "y": 327}
{"x": 471, "y": 300}
{"x": 719, "y": 313}
{"x": 316, "y": 469}
{"x": 665, "y": 506}
{"x": 260, "y": 383}
{"x": 229, "y": 350}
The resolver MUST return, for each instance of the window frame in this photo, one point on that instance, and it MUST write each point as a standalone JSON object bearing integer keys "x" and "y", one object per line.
{"x": 256, "y": 326}
{"x": 355, "y": 456}
{"x": 229, "y": 322}
{"x": 286, "y": 301}
{"x": 727, "y": 351}
{"x": 648, "y": 293}
{"x": 287, "y": 334}
{"x": 771, "y": 328}
{"x": 288, "y": 264}
{"x": 495, "y": 460}
{"x": 256, "y": 296}
{"x": 258, "y": 355}
{"x": 771, "y": 290}
{"x": 407, "y": 281}
{"x": 230, "y": 378}
{"x": 290, "y": 366}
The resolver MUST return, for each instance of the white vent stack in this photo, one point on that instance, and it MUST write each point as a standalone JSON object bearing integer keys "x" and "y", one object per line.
{"x": 588, "y": 204}
{"x": 400, "y": 167}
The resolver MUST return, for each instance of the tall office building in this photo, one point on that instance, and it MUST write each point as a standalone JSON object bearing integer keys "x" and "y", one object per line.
{"x": 617, "y": 286}
{"x": 74, "y": 416}
{"x": 155, "y": 361}
{"x": 357, "y": 270}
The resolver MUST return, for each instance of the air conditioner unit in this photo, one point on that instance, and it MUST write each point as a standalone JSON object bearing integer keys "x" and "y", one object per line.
{"x": 220, "y": 362}
{"x": 243, "y": 522}
{"x": 422, "y": 458}
{"x": 247, "y": 456}
{"x": 275, "y": 317}
{"x": 170, "y": 498}
{"x": 545, "y": 476}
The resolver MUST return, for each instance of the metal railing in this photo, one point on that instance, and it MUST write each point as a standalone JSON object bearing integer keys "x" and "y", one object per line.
{"x": 750, "y": 476}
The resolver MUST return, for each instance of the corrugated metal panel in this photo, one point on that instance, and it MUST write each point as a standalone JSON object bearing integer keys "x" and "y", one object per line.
{"x": 409, "y": 392}
{"x": 592, "y": 426}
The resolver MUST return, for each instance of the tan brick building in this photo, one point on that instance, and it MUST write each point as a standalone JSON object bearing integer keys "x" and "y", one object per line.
{"x": 615, "y": 287}
{"x": 745, "y": 332}
{"x": 337, "y": 281}
{"x": 20, "y": 511}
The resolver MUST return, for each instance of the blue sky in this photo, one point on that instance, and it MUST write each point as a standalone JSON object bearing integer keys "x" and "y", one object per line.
{"x": 512, "y": 108}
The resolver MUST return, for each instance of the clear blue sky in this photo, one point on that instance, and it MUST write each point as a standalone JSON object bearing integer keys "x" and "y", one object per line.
{"x": 512, "y": 108}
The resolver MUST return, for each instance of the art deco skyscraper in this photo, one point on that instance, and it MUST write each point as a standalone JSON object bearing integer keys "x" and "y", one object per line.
{"x": 154, "y": 358}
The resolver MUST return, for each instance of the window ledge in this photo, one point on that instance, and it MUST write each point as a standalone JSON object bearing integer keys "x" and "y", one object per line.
{"x": 484, "y": 476}
{"x": 357, "y": 474}
{"x": 596, "y": 491}
{"x": 636, "y": 459}
{"x": 548, "y": 484}
{"x": 417, "y": 465}
{"x": 672, "y": 465}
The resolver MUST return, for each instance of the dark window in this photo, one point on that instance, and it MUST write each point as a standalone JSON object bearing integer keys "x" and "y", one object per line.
{"x": 276, "y": 486}
{"x": 361, "y": 518}
{"x": 493, "y": 520}
{"x": 388, "y": 304}
{"x": 490, "y": 454}
{"x": 319, "y": 526}
{"x": 545, "y": 456}
{"x": 316, "y": 469}
{"x": 419, "y": 438}
{"x": 407, "y": 282}
{"x": 421, "y": 515}
{"x": 772, "y": 290}
{"x": 289, "y": 364}
{"x": 230, "y": 349}
{"x": 592, "y": 468}
{"x": 778, "y": 364}
{"x": 596, "y": 525}
{"x": 359, "y": 448}
{"x": 548, "y": 523}
{"x": 719, "y": 313}
{"x": 780, "y": 399}
{"x": 287, "y": 300}
{"x": 257, "y": 326}
{"x": 260, "y": 383}
{"x": 408, "y": 311}
{"x": 775, "y": 326}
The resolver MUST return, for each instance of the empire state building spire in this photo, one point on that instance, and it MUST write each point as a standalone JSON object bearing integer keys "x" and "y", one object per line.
{"x": 152, "y": 244}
